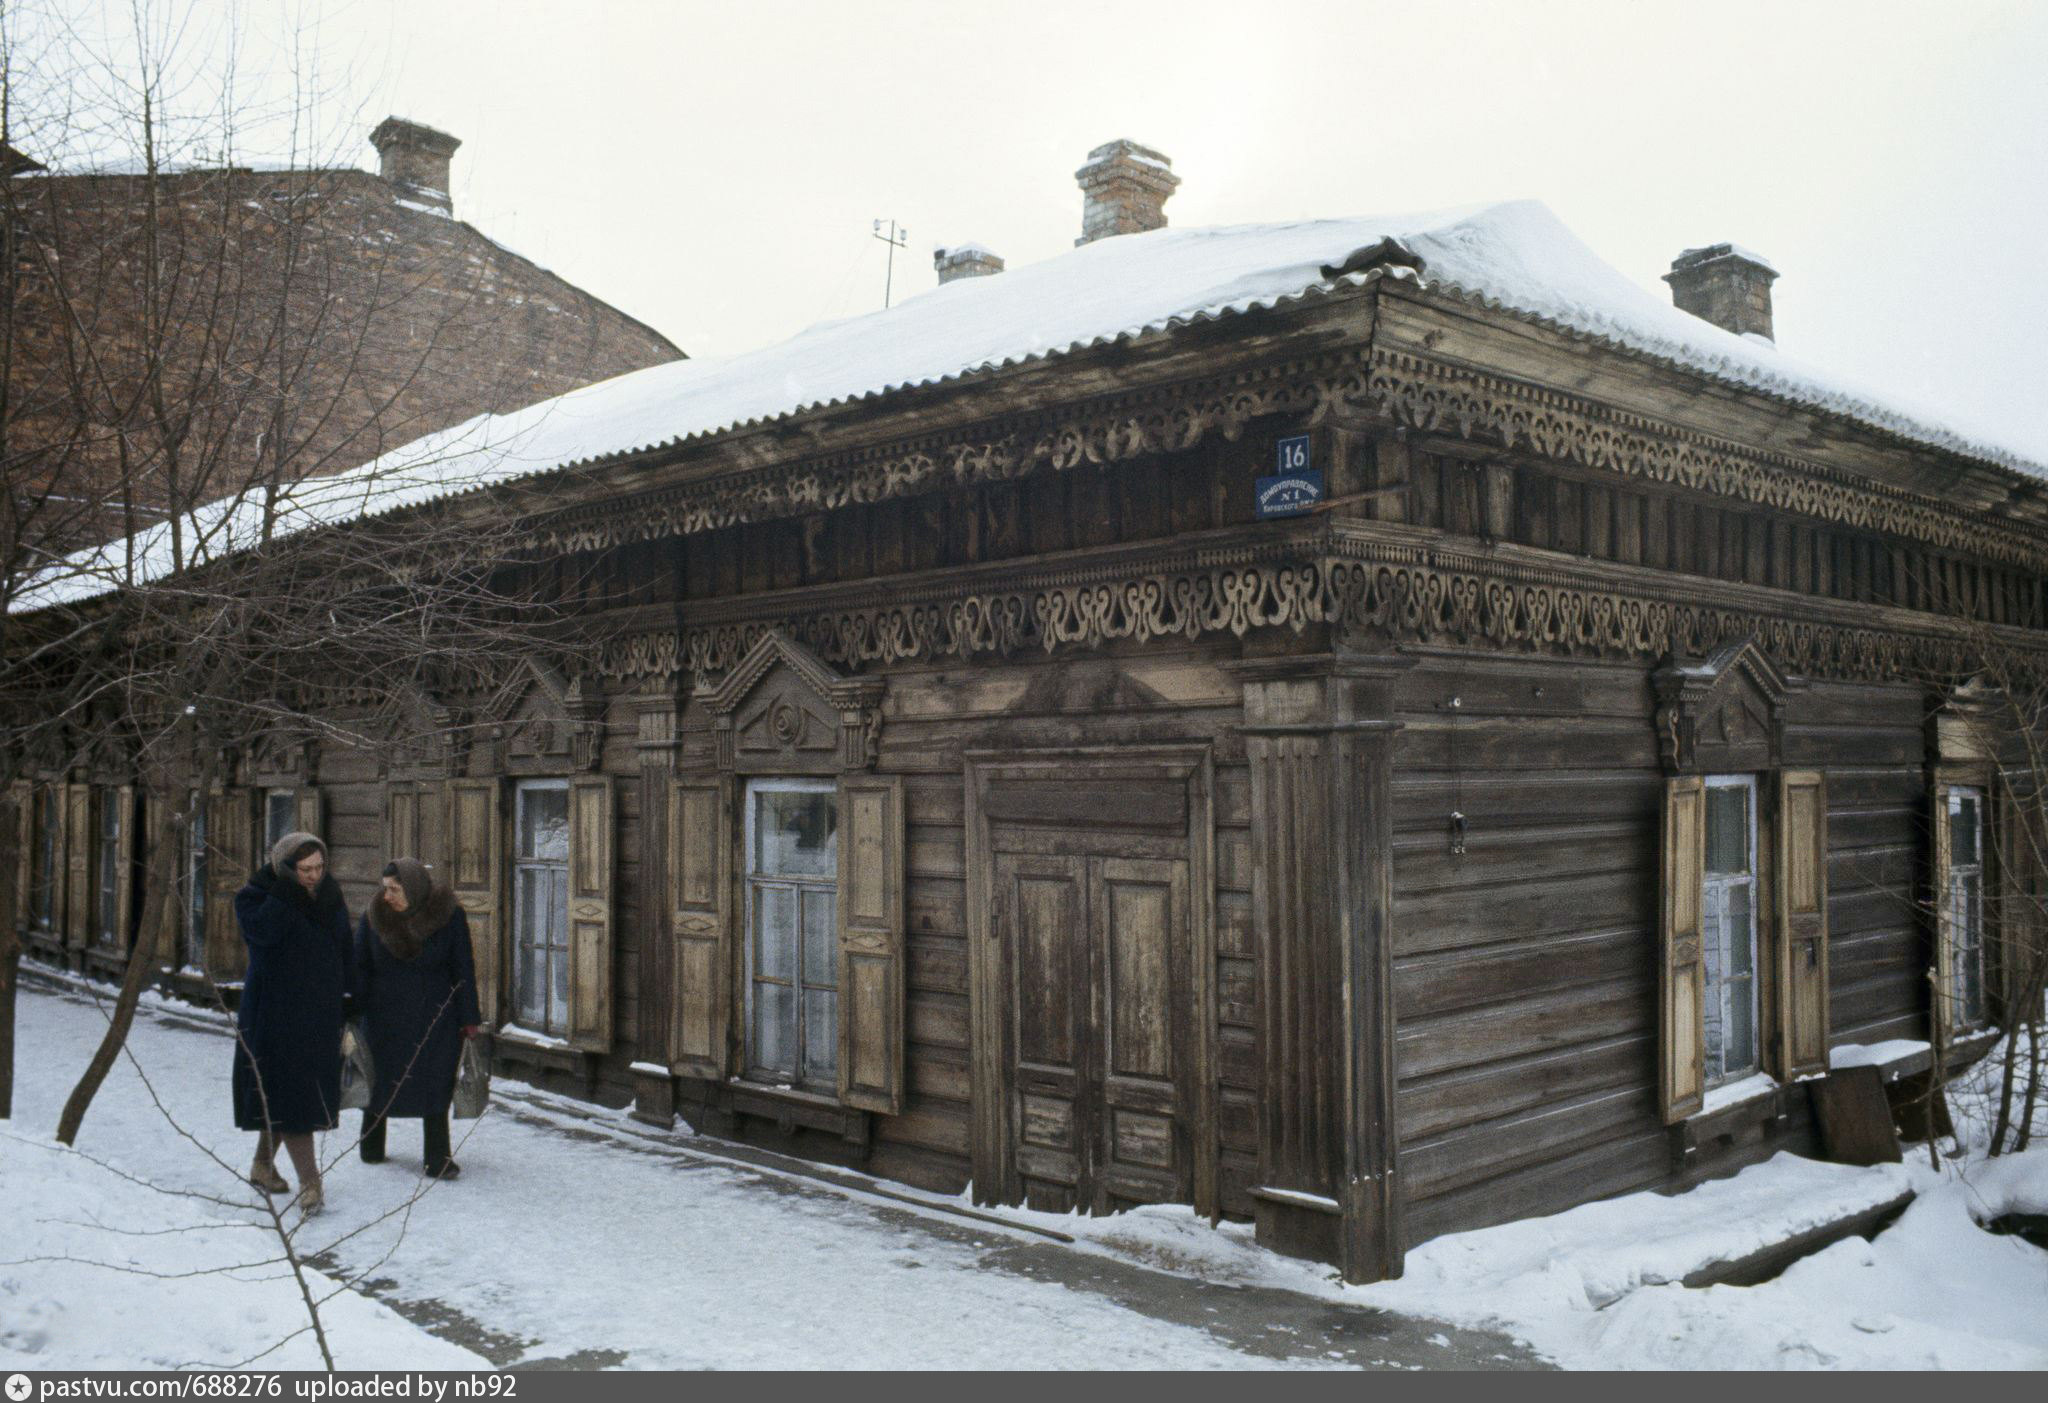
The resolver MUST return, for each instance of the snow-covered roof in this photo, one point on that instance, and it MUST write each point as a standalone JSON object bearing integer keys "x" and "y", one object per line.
{"x": 1516, "y": 256}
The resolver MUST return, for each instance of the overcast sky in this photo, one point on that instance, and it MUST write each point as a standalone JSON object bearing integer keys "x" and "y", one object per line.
{"x": 714, "y": 169}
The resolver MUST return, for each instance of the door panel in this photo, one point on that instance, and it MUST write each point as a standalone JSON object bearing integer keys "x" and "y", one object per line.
{"x": 1041, "y": 905}
{"x": 1141, "y": 940}
{"x": 1096, "y": 950}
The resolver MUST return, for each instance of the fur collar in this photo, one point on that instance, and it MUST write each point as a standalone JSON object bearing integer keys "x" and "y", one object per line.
{"x": 406, "y": 933}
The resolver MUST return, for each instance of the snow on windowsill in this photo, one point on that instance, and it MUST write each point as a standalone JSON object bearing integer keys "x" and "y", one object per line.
{"x": 512, "y": 1032}
{"x": 650, "y": 1069}
{"x": 1880, "y": 1055}
{"x": 1751, "y": 1088}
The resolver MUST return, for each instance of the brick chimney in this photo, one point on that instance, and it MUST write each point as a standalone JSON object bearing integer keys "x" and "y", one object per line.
{"x": 1124, "y": 189}
{"x": 415, "y": 159}
{"x": 1727, "y": 285}
{"x": 965, "y": 261}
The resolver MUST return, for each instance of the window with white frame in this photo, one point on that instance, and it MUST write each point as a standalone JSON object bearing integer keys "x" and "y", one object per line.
{"x": 1964, "y": 904}
{"x": 1729, "y": 916}
{"x": 280, "y": 809}
{"x": 540, "y": 906}
{"x": 108, "y": 873}
{"x": 792, "y": 845}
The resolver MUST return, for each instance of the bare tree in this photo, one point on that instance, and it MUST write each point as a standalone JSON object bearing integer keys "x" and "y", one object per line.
{"x": 203, "y": 542}
{"x": 1999, "y": 714}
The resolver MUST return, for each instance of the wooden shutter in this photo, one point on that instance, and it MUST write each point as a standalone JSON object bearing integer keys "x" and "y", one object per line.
{"x": 401, "y": 822}
{"x": 123, "y": 799}
{"x": 1802, "y": 883}
{"x": 474, "y": 872}
{"x": 1944, "y": 1013}
{"x": 79, "y": 847}
{"x": 871, "y": 957}
{"x": 157, "y": 814}
{"x": 308, "y": 816}
{"x": 22, "y": 911}
{"x": 1682, "y": 1053}
{"x": 700, "y": 829}
{"x": 431, "y": 838}
{"x": 230, "y": 837}
{"x": 590, "y": 913}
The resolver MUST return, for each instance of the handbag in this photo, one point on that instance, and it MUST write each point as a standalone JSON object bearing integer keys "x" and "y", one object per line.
{"x": 472, "y": 1082}
{"x": 358, "y": 1072}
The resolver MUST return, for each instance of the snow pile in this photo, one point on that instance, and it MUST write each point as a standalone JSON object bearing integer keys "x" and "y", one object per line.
{"x": 1516, "y": 255}
{"x": 1595, "y": 1254}
{"x": 100, "y": 1271}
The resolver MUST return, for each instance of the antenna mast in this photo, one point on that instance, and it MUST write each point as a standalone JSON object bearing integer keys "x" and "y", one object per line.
{"x": 896, "y": 238}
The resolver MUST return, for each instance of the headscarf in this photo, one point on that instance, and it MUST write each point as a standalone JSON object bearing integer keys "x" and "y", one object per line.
{"x": 291, "y": 850}
{"x": 415, "y": 880}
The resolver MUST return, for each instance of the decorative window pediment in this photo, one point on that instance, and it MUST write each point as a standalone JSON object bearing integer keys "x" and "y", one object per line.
{"x": 550, "y": 724}
{"x": 1723, "y": 713}
{"x": 783, "y": 710}
{"x": 281, "y": 758}
{"x": 422, "y": 738}
{"x": 1963, "y": 724}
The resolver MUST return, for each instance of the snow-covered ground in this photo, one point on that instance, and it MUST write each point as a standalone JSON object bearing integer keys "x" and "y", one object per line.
{"x": 574, "y": 1232}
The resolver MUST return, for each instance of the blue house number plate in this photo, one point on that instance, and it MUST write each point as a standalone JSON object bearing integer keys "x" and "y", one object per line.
{"x": 1295, "y": 486}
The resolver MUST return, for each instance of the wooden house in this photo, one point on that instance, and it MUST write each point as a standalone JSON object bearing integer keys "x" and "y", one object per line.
{"x": 1008, "y": 765}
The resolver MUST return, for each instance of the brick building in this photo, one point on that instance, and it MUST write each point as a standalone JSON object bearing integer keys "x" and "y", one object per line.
{"x": 300, "y": 322}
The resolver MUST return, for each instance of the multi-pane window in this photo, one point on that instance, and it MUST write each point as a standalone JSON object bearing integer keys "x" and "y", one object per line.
{"x": 280, "y": 808}
{"x": 1964, "y": 901}
{"x": 792, "y": 920}
{"x": 44, "y": 877}
{"x": 1728, "y": 912}
{"x": 108, "y": 873}
{"x": 540, "y": 906}
{"x": 194, "y": 953}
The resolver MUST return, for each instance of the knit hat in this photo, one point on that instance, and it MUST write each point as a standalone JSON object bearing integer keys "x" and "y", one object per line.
{"x": 292, "y": 849}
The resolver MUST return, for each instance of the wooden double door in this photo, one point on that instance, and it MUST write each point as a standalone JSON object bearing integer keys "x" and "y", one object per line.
{"x": 1092, "y": 987}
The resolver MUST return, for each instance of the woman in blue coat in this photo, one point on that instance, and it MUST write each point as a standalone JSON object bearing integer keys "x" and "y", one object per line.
{"x": 287, "y": 1073}
{"x": 416, "y": 978}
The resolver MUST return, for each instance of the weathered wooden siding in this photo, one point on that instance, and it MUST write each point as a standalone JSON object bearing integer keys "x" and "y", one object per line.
{"x": 1524, "y": 968}
{"x": 1870, "y": 742}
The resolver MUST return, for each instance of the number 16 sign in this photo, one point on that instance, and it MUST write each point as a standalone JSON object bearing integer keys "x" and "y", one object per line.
{"x": 1295, "y": 485}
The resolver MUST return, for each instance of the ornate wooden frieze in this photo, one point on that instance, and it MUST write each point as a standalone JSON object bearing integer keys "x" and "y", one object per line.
{"x": 1435, "y": 397}
{"x": 1107, "y": 429}
{"x": 1372, "y": 589}
{"x": 1398, "y": 387}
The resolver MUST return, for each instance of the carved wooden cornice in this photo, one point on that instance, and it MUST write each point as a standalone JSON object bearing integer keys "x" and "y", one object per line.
{"x": 1398, "y": 387}
{"x": 1100, "y": 430}
{"x": 1434, "y": 396}
{"x": 1374, "y": 582}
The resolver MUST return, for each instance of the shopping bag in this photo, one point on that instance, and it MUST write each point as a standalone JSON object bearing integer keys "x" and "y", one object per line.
{"x": 358, "y": 1073}
{"x": 472, "y": 1082}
